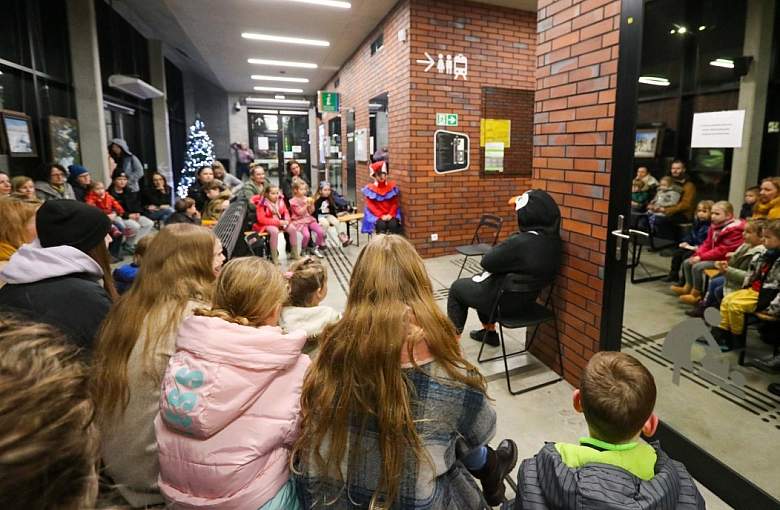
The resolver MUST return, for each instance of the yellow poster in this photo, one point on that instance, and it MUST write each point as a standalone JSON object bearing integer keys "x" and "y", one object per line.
{"x": 495, "y": 131}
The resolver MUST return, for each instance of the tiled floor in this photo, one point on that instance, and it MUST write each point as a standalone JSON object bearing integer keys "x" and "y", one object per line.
{"x": 532, "y": 418}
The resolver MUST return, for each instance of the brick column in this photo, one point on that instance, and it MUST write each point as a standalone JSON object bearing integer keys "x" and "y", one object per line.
{"x": 576, "y": 79}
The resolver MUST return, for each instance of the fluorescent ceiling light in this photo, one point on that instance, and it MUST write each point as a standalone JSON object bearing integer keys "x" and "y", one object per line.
{"x": 326, "y": 3}
{"x": 702, "y": 28}
{"x": 274, "y": 100}
{"x": 279, "y": 96}
{"x": 654, "y": 80}
{"x": 261, "y": 77}
{"x": 722, "y": 62}
{"x": 682, "y": 30}
{"x": 293, "y": 112}
{"x": 283, "y": 39}
{"x": 278, "y": 89}
{"x": 255, "y": 110}
{"x": 281, "y": 63}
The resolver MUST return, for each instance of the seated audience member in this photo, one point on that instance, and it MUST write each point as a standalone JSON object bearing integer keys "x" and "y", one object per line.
{"x": 256, "y": 185}
{"x": 293, "y": 171}
{"x": 157, "y": 199}
{"x": 230, "y": 405}
{"x": 48, "y": 440}
{"x": 185, "y": 212}
{"x": 668, "y": 194}
{"x": 535, "y": 252}
{"x": 196, "y": 191}
{"x": 216, "y": 206}
{"x": 751, "y": 197}
{"x": 640, "y": 195}
{"x": 760, "y": 291}
{"x": 645, "y": 176}
{"x": 419, "y": 439}
{"x": 668, "y": 218}
{"x": 211, "y": 190}
{"x": 768, "y": 204}
{"x": 137, "y": 338}
{"x": 382, "y": 214}
{"x": 53, "y": 184}
{"x": 273, "y": 217}
{"x": 692, "y": 240}
{"x": 612, "y": 468}
{"x": 301, "y": 219}
{"x": 124, "y": 276}
{"x": 5, "y": 184}
{"x": 325, "y": 211}
{"x": 734, "y": 270}
{"x": 23, "y": 187}
{"x": 308, "y": 282}
{"x": 55, "y": 279}
{"x": 724, "y": 236}
{"x": 232, "y": 182}
{"x": 80, "y": 180}
{"x": 134, "y": 225}
{"x": 103, "y": 200}
{"x": 17, "y": 226}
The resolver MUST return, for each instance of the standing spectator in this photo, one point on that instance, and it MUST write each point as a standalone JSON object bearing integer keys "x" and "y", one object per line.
{"x": 244, "y": 158}
{"x": 157, "y": 199}
{"x": 128, "y": 163}
{"x": 382, "y": 212}
{"x": 768, "y": 205}
{"x": 53, "y": 184}
{"x": 17, "y": 226}
{"x": 667, "y": 225}
{"x": 79, "y": 179}
{"x": 137, "y": 338}
{"x": 293, "y": 171}
{"x": 49, "y": 442}
{"x": 23, "y": 187}
{"x": 56, "y": 278}
{"x": 135, "y": 226}
{"x": 5, "y": 184}
{"x": 233, "y": 183}
{"x": 196, "y": 191}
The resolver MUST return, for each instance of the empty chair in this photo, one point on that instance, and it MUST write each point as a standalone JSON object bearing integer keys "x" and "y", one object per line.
{"x": 482, "y": 241}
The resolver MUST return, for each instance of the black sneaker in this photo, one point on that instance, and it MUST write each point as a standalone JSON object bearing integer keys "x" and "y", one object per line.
{"x": 491, "y": 337}
{"x": 493, "y": 482}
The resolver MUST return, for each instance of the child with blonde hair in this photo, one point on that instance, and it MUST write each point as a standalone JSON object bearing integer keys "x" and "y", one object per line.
{"x": 301, "y": 209}
{"x": 273, "y": 217}
{"x": 393, "y": 415}
{"x": 308, "y": 281}
{"x": 231, "y": 397}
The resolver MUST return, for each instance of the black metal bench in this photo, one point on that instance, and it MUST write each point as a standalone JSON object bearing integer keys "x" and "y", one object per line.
{"x": 230, "y": 226}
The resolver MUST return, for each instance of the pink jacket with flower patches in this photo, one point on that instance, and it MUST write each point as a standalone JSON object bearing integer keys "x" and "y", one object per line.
{"x": 229, "y": 414}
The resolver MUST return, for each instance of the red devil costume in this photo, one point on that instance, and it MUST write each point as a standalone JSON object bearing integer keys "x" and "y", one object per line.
{"x": 381, "y": 199}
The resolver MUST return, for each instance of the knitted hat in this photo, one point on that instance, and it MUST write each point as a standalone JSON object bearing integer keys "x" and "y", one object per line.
{"x": 71, "y": 223}
{"x": 118, "y": 172}
{"x": 76, "y": 170}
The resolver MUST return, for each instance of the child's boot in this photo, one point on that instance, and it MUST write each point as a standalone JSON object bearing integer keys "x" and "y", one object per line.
{"x": 295, "y": 252}
{"x": 275, "y": 257}
{"x": 500, "y": 462}
{"x": 345, "y": 240}
{"x": 691, "y": 299}
{"x": 681, "y": 290}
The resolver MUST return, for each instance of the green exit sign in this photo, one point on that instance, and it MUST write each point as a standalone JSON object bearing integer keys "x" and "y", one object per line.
{"x": 446, "y": 119}
{"x": 328, "y": 101}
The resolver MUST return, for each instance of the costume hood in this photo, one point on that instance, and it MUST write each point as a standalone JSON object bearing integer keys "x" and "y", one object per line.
{"x": 538, "y": 212}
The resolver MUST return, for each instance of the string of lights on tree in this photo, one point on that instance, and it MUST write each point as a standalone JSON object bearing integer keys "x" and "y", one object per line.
{"x": 200, "y": 152}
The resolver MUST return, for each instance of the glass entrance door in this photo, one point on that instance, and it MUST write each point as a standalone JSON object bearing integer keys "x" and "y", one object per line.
{"x": 278, "y": 137}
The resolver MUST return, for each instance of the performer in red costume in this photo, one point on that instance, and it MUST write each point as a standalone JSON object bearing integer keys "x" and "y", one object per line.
{"x": 382, "y": 214}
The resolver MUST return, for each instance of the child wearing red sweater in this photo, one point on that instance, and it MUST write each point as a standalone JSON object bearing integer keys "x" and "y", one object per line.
{"x": 98, "y": 197}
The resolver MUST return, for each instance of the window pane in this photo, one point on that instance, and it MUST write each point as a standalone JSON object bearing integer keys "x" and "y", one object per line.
{"x": 13, "y": 34}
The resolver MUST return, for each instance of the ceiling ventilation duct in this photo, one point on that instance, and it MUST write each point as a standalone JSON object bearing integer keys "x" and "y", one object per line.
{"x": 134, "y": 86}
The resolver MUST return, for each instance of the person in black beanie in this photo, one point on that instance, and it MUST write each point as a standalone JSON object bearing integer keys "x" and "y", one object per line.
{"x": 534, "y": 253}
{"x": 57, "y": 278}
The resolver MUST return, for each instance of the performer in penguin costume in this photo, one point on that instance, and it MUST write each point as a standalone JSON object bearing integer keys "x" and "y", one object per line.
{"x": 534, "y": 251}
{"x": 382, "y": 214}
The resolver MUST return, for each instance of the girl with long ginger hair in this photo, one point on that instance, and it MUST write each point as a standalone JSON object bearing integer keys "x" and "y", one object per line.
{"x": 393, "y": 416}
{"x": 136, "y": 340}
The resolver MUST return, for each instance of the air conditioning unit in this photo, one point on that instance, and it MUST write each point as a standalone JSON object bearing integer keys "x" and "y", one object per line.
{"x": 134, "y": 86}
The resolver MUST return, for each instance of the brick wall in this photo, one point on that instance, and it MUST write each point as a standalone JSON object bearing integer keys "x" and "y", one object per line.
{"x": 576, "y": 80}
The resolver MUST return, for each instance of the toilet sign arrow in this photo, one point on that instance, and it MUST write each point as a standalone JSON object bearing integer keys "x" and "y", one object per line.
{"x": 431, "y": 61}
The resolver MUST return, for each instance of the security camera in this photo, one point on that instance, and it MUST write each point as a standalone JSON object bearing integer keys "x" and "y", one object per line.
{"x": 237, "y": 106}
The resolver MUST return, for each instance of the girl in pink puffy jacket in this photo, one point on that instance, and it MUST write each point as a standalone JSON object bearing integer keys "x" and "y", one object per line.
{"x": 230, "y": 398}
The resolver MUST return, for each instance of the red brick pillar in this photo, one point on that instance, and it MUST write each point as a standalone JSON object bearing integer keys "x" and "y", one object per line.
{"x": 577, "y": 51}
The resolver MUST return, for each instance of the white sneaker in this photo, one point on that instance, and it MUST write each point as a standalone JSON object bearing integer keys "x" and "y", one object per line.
{"x": 318, "y": 253}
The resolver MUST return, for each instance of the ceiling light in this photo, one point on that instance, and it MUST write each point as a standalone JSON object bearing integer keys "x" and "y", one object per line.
{"x": 702, "y": 28}
{"x": 261, "y": 77}
{"x": 283, "y": 39}
{"x": 293, "y": 112}
{"x": 278, "y": 89}
{"x": 722, "y": 62}
{"x": 673, "y": 31}
{"x": 281, "y": 63}
{"x": 682, "y": 30}
{"x": 274, "y": 100}
{"x": 654, "y": 80}
{"x": 279, "y": 96}
{"x": 254, "y": 110}
{"x": 326, "y": 3}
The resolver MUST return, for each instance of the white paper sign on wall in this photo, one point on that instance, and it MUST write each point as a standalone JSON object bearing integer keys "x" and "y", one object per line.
{"x": 454, "y": 66}
{"x": 718, "y": 129}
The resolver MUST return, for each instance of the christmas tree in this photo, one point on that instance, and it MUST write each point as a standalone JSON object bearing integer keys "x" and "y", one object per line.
{"x": 200, "y": 153}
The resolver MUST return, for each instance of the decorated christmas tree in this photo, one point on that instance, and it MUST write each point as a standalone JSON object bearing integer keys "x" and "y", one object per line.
{"x": 200, "y": 152}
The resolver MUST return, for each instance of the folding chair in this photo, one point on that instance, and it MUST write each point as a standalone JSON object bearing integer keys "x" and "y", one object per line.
{"x": 535, "y": 315}
{"x": 478, "y": 247}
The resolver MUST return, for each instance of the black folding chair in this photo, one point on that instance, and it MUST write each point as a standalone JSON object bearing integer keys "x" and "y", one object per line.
{"x": 535, "y": 315}
{"x": 230, "y": 226}
{"x": 478, "y": 246}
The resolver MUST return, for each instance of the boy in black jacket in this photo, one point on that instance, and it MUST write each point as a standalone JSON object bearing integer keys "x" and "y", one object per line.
{"x": 535, "y": 252}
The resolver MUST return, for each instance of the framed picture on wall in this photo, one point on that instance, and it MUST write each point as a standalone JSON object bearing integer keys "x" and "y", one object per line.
{"x": 18, "y": 134}
{"x": 647, "y": 142}
{"x": 64, "y": 141}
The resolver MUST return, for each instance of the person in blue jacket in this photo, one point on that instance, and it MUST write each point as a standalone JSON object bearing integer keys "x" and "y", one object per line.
{"x": 692, "y": 240}
{"x": 124, "y": 276}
